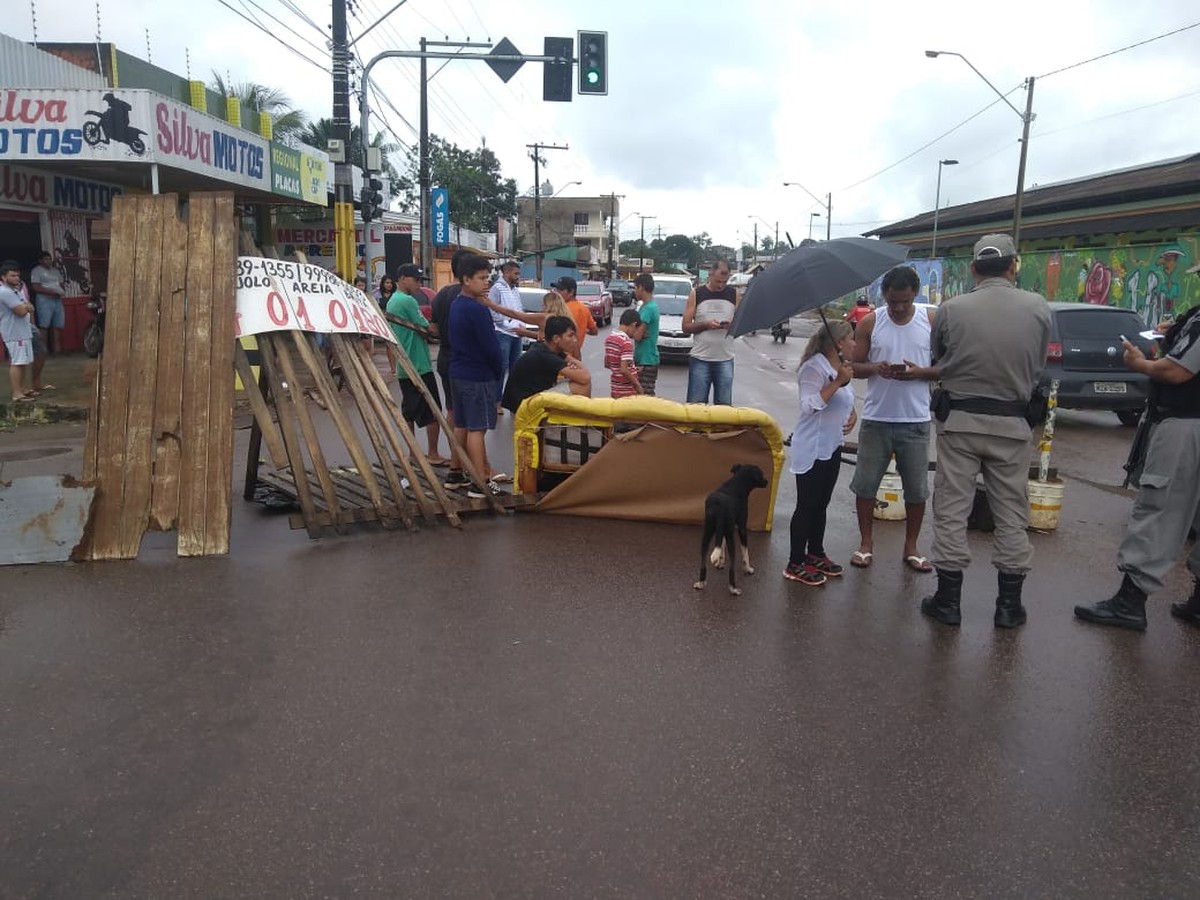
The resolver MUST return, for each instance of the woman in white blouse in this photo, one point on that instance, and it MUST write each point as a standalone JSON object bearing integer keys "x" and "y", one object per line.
{"x": 826, "y": 416}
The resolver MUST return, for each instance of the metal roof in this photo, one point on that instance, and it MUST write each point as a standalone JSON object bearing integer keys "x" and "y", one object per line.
{"x": 25, "y": 66}
{"x": 1146, "y": 193}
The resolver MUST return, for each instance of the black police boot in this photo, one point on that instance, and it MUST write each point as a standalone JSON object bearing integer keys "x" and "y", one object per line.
{"x": 943, "y": 604}
{"x": 1124, "y": 609}
{"x": 1189, "y": 610}
{"x": 1009, "y": 611}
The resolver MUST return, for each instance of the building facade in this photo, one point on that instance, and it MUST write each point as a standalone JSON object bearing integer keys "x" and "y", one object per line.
{"x": 586, "y": 223}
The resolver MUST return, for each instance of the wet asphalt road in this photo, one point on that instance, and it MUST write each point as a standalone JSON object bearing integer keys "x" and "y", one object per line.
{"x": 543, "y": 706}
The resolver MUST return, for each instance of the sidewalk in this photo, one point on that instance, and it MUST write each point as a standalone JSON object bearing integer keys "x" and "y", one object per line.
{"x": 73, "y": 376}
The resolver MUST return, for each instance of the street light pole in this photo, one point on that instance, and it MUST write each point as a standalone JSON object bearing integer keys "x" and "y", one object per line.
{"x": 828, "y": 201}
{"x": 937, "y": 203}
{"x": 1026, "y": 118}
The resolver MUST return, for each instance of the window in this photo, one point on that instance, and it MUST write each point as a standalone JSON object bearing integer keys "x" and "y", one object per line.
{"x": 581, "y": 218}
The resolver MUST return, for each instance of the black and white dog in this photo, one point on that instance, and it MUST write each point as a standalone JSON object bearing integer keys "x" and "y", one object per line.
{"x": 724, "y": 516}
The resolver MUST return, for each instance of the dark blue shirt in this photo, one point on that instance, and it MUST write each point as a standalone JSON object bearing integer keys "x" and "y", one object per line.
{"x": 475, "y": 353}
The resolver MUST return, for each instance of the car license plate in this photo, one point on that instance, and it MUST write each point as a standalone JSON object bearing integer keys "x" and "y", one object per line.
{"x": 1109, "y": 387}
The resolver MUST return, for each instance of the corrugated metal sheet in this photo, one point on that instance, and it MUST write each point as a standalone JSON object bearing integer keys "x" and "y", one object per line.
{"x": 25, "y": 66}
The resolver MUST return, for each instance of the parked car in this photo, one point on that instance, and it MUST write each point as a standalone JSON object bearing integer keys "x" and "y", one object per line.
{"x": 671, "y": 294}
{"x": 621, "y": 290}
{"x": 597, "y": 299}
{"x": 1086, "y": 357}
{"x": 531, "y": 301}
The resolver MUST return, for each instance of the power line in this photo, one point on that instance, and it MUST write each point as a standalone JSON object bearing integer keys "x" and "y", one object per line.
{"x": 1151, "y": 40}
{"x": 926, "y": 146}
{"x": 274, "y": 36}
{"x": 303, "y": 16}
{"x": 290, "y": 30}
{"x": 1115, "y": 115}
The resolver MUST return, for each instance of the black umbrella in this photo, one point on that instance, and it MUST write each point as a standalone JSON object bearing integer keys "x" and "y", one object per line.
{"x": 810, "y": 276}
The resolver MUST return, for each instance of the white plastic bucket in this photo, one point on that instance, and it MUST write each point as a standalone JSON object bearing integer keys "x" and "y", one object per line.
{"x": 1045, "y": 503}
{"x": 889, "y": 499}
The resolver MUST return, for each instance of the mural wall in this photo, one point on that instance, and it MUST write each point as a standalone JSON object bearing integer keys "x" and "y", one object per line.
{"x": 1150, "y": 279}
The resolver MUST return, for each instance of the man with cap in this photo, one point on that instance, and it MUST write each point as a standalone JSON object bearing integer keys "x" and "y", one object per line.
{"x": 584, "y": 323}
{"x": 505, "y": 294}
{"x": 989, "y": 347}
{"x": 1168, "y": 481}
{"x": 414, "y": 404}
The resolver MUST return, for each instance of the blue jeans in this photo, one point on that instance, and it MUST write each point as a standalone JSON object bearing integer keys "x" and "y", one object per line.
{"x": 510, "y": 352}
{"x": 703, "y": 375}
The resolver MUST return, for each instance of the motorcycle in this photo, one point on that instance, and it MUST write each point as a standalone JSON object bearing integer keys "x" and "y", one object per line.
{"x": 93, "y": 335}
{"x": 780, "y": 331}
{"x": 98, "y": 132}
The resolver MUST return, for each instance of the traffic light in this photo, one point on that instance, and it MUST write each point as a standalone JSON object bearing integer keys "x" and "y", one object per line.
{"x": 371, "y": 199}
{"x": 556, "y": 77}
{"x": 593, "y": 62}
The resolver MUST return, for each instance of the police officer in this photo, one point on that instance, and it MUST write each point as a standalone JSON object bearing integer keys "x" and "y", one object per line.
{"x": 1168, "y": 485}
{"x": 989, "y": 347}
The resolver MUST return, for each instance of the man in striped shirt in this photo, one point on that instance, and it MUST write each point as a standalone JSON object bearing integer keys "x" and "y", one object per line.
{"x": 618, "y": 355}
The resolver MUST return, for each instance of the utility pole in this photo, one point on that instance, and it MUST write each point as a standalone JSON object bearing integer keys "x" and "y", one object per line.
{"x": 343, "y": 184}
{"x": 423, "y": 169}
{"x": 775, "y": 249}
{"x": 535, "y": 155}
{"x": 1019, "y": 200}
{"x": 612, "y": 214}
{"x": 755, "y": 243}
{"x": 642, "y": 251}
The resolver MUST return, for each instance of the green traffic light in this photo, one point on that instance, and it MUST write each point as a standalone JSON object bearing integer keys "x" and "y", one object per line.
{"x": 593, "y": 76}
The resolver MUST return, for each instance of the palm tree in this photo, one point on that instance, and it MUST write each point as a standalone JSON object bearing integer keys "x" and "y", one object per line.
{"x": 286, "y": 120}
{"x": 317, "y": 134}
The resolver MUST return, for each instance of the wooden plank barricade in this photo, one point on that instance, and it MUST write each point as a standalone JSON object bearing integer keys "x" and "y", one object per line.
{"x": 159, "y": 443}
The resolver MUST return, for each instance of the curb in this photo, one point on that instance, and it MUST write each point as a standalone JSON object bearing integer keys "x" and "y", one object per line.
{"x": 14, "y": 414}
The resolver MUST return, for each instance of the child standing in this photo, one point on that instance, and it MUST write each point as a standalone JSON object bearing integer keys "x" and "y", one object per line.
{"x": 618, "y": 355}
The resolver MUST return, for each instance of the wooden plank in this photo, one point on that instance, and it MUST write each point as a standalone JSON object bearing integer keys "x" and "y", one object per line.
{"x": 287, "y": 426}
{"x": 193, "y": 467}
{"x": 218, "y": 512}
{"x": 139, "y": 430}
{"x": 92, "y": 436}
{"x": 168, "y": 398}
{"x": 397, "y": 418}
{"x": 307, "y": 429}
{"x": 114, "y": 380}
{"x": 375, "y": 389}
{"x": 329, "y": 394}
{"x": 260, "y": 409}
{"x": 347, "y": 350}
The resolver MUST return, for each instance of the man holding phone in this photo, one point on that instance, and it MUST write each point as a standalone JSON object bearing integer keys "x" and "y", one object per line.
{"x": 891, "y": 351}
{"x": 707, "y": 315}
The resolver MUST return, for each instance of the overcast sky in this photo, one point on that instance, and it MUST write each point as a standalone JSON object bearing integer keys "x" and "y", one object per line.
{"x": 712, "y": 107}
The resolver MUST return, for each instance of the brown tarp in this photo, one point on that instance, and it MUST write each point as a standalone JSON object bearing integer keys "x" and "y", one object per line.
{"x": 658, "y": 474}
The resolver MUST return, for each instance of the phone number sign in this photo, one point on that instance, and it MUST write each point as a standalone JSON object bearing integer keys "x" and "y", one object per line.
{"x": 273, "y": 295}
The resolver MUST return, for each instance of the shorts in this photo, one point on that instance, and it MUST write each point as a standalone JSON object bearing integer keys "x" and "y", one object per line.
{"x": 50, "y": 312}
{"x": 414, "y": 406}
{"x": 648, "y": 376}
{"x": 39, "y": 343}
{"x": 877, "y": 441}
{"x": 20, "y": 353}
{"x": 474, "y": 404}
{"x": 447, "y": 391}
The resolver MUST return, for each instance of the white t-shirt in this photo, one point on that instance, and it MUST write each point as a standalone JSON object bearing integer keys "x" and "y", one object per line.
{"x": 47, "y": 282}
{"x": 505, "y": 295}
{"x": 12, "y": 326}
{"x": 818, "y": 431}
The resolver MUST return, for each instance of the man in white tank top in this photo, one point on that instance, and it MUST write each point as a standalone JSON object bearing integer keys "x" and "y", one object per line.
{"x": 892, "y": 351}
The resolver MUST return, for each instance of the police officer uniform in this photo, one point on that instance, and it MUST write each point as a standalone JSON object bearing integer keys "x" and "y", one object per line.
{"x": 989, "y": 347}
{"x": 1168, "y": 499}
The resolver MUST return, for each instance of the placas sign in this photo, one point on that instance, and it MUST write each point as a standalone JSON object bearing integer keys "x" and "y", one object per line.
{"x": 273, "y": 295}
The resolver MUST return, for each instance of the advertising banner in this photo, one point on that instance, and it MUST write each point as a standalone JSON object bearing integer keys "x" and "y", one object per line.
{"x": 273, "y": 295}
{"x": 439, "y": 203}
{"x": 36, "y": 187}
{"x": 128, "y": 126}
